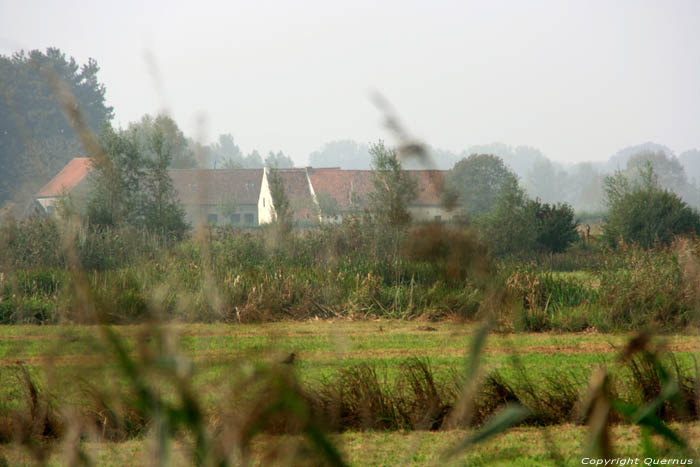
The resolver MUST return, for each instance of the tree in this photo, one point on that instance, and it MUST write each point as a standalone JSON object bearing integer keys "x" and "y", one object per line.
{"x": 478, "y": 181}
{"x": 283, "y": 215}
{"x": 519, "y": 159}
{"x": 393, "y": 188}
{"x": 162, "y": 210}
{"x": 253, "y": 160}
{"x": 555, "y": 225}
{"x": 278, "y": 161}
{"x": 346, "y": 154}
{"x": 546, "y": 181}
{"x": 640, "y": 211}
{"x": 131, "y": 185}
{"x": 226, "y": 154}
{"x": 174, "y": 141}
{"x": 36, "y": 138}
{"x": 511, "y": 227}
{"x": 327, "y": 204}
{"x": 116, "y": 196}
{"x": 585, "y": 187}
{"x": 691, "y": 164}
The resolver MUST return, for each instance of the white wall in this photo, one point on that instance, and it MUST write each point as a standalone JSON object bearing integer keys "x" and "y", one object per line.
{"x": 265, "y": 211}
{"x": 429, "y": 213}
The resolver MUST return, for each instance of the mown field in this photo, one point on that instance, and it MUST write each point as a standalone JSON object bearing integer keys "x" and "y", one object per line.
{"x": 57, "y": 357}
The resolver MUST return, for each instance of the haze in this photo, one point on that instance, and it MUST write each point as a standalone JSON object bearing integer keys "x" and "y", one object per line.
{"x": 579, "y": 80}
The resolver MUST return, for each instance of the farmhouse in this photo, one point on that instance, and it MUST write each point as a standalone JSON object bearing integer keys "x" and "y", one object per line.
{"x": 243, "y": 197}
{"x": 71, "y": 179}
{"x": 219, "y": 196}
{"x": 343, "y": 192}
{"x": 299, "y": 192}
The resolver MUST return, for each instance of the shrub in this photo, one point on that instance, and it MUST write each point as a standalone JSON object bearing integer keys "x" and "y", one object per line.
{"x": 645, "y": 214}
{"x": 555, "y": 225}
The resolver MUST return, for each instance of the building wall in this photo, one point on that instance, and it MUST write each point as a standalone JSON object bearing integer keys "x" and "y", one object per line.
{"x": 430, "y": 213}
{"x": 48, "y": 204}
{"x": 418, "y": 213}
{"x": 265, "y": 211}
{"x": 244, "y": 215}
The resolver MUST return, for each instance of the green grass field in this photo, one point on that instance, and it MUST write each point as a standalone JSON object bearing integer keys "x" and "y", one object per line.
{"x": 57, "y": 356}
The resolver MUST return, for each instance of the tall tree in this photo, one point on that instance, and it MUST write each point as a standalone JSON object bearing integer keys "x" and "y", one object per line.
{"x": 174, "y": 141}
{"x": 546, "y": 181}
{"x": 162, "y": 211}
{"x": 131, "y": 185}
{"x": 115, "y": 180}
{"x": 36, "y": 138}
{"x": 346, "y": 154}
{"x": 478, "y": 181}
{"x": 511, "y": 228}
{"x": 278, "y": 161}
{"x": 393, "y": 188}
{"x": 641, "y": 211}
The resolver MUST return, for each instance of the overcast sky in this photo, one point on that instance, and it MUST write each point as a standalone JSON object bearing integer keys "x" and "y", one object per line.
{"x": 579, "y": 80}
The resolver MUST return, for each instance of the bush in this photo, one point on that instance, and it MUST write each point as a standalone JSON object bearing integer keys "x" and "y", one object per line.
{"x": 645, "y": 214}
{"x": 555, "y": 225}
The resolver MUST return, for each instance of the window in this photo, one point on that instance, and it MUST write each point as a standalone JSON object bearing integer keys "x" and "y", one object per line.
{"x": 51, "y": 210}
{"x": 249, "y": 218}
{"x": 438, "y": 218}
{"x": 263, "y": 202}
{"x": 213, "y": 219}
{"x": 235, "y": 218}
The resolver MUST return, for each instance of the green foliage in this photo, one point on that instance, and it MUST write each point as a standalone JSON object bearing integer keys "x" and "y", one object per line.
{"x": 278, "y": 161}
{"x": 225, "y": 154}
{"x": 36, "y": 138}
{"x": 393, "y": 188}
{"x": 29, "y": 243}
{"x": 647, "y": 288}
{"x": 511, "y": 228}
{"x": 519, "y": 226}
{"x": 115, "y": 180}
{"x": 641, "y": 212}
{"x": 170, "y": 139}
{"x": 162, "y": 210}
{"x": 282, "y": 209}
{"x": 479, "y": 181}
{"x": 556, "y": 226}
{"x": 327, "y": 205}
{"x": 131, "y": 185}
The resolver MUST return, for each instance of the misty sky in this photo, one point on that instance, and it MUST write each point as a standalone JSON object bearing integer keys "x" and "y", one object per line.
{"x": 579, "y": 80}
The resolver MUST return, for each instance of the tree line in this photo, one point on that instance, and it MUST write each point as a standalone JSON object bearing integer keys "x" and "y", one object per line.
{"x": 37, "y": 139}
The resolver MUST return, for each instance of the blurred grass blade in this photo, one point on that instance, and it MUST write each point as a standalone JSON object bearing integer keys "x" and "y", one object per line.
{"x": 506, "y": 418}
{"x": 476, "y": 348}
{"x": 651, "y": 420}
{"x": 325, "y": 446}
{"x": 596, "y": 406}
{"x": 669, "y": 391}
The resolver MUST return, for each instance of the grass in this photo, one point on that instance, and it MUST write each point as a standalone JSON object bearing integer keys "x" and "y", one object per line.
{"x": 57, "y": 356}
{"x": 519, "y": 447}
{"x": 324, "y": 346}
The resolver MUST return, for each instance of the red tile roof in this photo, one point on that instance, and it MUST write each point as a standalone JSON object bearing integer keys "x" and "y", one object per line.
{"x": 296, "y": 186}
{"x": 217, "y": 186}
{"x": 68, "y": 178}
{"x": 347, "y": 185}
{"x": 429, "y": 186}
